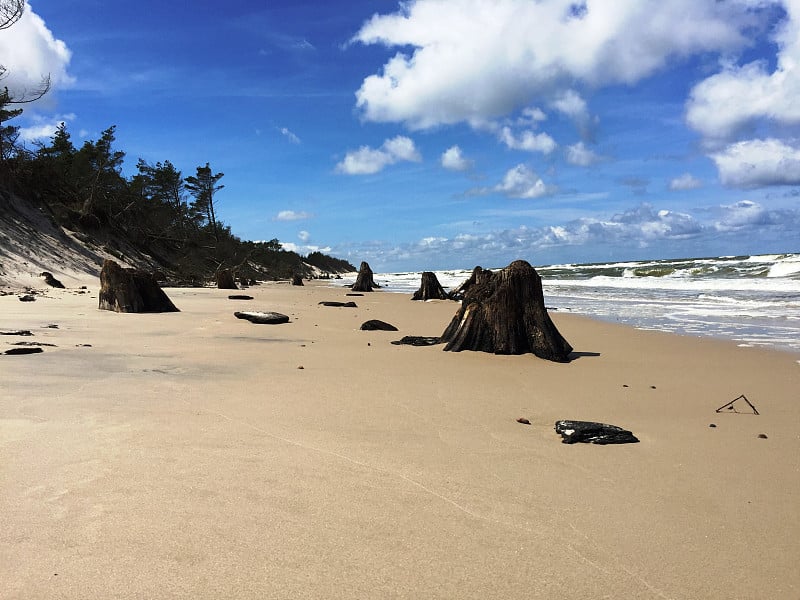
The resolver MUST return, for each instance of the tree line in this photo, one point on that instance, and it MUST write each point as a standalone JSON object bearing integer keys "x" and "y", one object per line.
{"x": 157, "y": 212}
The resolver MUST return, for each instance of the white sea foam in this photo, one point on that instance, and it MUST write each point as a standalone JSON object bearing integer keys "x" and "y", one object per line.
{"x": 750, "y": 299}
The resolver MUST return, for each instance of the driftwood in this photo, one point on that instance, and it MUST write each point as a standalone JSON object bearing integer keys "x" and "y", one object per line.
{"x": 50, "y": 280}
{"x": 417, "y": 340}
{"x": 504, "y": 313}
{"x": 339, "y": 304}
{"x": 572, "y": 432}
{"x": 225, "y": 280}
{"x": 364, "y": 280}
{"x": 430, "y": 288}
{"x": 262, "y": 318}
{"x": 730, "y": 406}
{"x": 131, "y": 291}
{"x": 239, "y": 297}
{"x": 18, "y": 351}
{"x": 376, "y": 325}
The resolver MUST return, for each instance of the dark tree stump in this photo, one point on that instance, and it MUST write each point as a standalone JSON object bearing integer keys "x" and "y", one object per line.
{"x": 478, "y": 275}
{"x": 376, "y": 325}
{"x": 225, "y": 280}
{"x": 504, "y": 313}
{"x": 297, "y": 279}
{"x": 364, "y": 280}
{"x": 430, "y": 288}
{"x": 131, "y": 291}
{"x": 50, "y": 280}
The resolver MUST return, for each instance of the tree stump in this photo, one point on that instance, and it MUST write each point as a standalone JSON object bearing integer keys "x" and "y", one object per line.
{"x": 504, "y": 313}
{"x": 364, "y": 281}
{"x": 50, "y": 280}
{"x": 430, "y": 288}
{"x": 478, "y": 275}
{"x": 225, "y": 280}
{"x": 297, "y": 279}
{"x": 131, "y": 291}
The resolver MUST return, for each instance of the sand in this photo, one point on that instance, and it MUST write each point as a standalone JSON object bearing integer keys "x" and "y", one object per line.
{"x": 196, "y": 455}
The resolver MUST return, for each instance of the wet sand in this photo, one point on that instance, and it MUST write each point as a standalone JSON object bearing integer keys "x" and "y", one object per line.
{"x": 196, "y": 455}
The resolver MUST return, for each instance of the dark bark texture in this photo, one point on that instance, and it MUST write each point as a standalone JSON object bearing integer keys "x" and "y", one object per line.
{"x": 364, "y": 280}
{"x": 504, "y": 313}
{"x": 297, "y": 279}
{"x": 430, "y": 288}
{"x": 225, "y": 280}
{"x": 131, "y": 291}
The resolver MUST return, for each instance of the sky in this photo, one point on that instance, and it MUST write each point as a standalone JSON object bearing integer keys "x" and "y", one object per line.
{"x": 439, "y": 134}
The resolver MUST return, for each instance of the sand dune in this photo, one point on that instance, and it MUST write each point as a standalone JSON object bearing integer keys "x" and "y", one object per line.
{"x": 188, "y": 455}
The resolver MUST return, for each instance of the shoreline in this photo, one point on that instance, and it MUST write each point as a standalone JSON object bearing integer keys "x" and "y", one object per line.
{"x": 189, "y": 454}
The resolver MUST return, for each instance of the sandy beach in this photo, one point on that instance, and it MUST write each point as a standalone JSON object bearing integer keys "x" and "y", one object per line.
{"x": 196, "y": 455}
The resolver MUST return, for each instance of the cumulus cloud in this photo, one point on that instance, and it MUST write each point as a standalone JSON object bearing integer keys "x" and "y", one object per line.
{"x": 303, "y": 236}
{"x": 528, "y": 140}
{"x": 522, "y": 182}
{"x": 30, "y": 51}
{"x": 43, "y": 128}
{"x": 291, "y": 215}
{"x": 758, "y": 163}
{"x": 578, "y": 154}
{"x": 495, "y": 57}
{"x": 723, "y": 104}
{"x": 453, "y": 160}
{"x": 366, "y": 160}
{"x": 687, "y": 181}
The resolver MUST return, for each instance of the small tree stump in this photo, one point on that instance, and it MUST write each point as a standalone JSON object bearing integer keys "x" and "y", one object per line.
{"x": 504, "y": 313}
{"x": 225, "y": 280}
{"x": 297, "y": 279}
{"x": 430, "y": 288}
{"x": 364, "y": 280}
{"x": 131, "y": 291}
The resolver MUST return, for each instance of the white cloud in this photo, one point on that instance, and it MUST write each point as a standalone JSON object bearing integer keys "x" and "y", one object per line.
{"x": 522, "y": 182}
{"x": 687, "y": 181}
{"x": 29, "y": 52}
{"x": 304, "y": 249}
{"x": 495, "y": 57}
{"x": 578, "y": 154}
{"x": 285, "y": 132}
{"x": 725, "y": 103}
{"x": 454, "y": 160}
{"x": 758, "y": 163}
{"x": 43, "y": 128}
{"x": 303, "y": 236}
{"x": 366, "y": 160}
{"x": 291, "y": 215}
{"x": 528, "y": 140}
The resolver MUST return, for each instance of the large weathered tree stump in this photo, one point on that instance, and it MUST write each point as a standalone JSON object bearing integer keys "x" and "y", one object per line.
{"x": 364, "y": 280}
{"x": 297, "y": 279}
{"x": 225, "y": 280}
{"x": 430, "y": 288}
{"x": 131, "y": 291}
{"x": 504, "y": 313}
{"x": 478, "y": 275}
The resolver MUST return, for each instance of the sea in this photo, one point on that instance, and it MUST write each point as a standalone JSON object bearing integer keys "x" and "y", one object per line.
{"x": 752, "y": 300}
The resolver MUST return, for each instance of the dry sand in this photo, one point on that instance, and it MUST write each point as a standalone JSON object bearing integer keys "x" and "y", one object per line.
{"x": 188, "y": 455}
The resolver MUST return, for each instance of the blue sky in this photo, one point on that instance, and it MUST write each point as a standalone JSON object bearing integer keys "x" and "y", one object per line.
{"x": 446, "y": 133}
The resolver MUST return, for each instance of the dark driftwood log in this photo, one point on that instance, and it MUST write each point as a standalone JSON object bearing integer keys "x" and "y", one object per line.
{"x": 297, "y": 279}
{"x": 417, "y": 340}
{"x": 239, "y": 297}
{"x": 430, "y": 288}
{"x": 364, "y": 281}
{"x": 18, "y": 351}
{"x": 588, "y": 432}
{"x": 131, "y": 291}
{"x": 50, "y": 280}
{"x": 225, "y": 280}
{"x": 263, "y": 318}
{"x": 504, "y": 313}
{"x": 339, "y": 304}
{"x": 376, "y": 325}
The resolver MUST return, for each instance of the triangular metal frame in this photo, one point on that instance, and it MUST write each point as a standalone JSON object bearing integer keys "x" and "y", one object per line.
{"x": 729, "y": 405}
